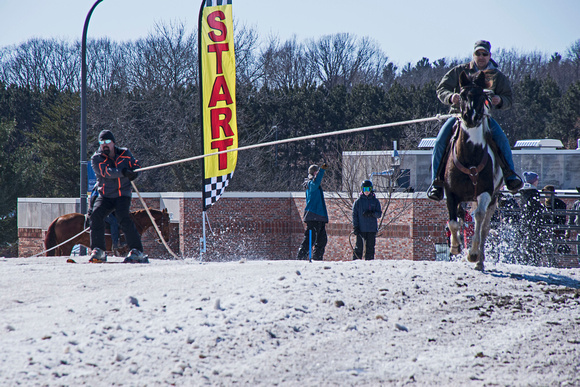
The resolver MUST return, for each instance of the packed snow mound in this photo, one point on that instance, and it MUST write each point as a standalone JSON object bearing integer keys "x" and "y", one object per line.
{"x": 290, "y": 323}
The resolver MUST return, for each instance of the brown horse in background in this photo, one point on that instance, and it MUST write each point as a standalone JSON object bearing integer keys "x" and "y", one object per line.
{"x": 66, "y": 226}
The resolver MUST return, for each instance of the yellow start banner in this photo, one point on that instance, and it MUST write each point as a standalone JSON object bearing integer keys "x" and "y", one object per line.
{"x": 218, "y": 96}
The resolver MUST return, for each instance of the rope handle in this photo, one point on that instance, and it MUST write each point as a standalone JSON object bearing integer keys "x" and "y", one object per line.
{"x": 153, "y": 222}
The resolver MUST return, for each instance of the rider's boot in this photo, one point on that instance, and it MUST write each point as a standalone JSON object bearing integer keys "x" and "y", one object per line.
{"x": 435, "y": 191}
{"x": 500, "y": 145}
{"x": 512, "y": 181}
{"x": 439, "y": 160}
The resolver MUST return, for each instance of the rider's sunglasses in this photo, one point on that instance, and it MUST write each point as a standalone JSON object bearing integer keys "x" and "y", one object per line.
{"x": 366, "y": 189}
{"x": 105, "y": 141}
{"x": 479, "y": 53}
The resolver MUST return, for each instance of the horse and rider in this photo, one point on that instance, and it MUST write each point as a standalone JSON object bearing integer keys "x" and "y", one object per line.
{"x": 472, "y": 155}
{"x": 500, "y": 94}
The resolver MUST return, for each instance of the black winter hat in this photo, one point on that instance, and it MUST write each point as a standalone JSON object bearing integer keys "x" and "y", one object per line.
{"x": 106, "y": 135}
{"x": 366, "y": 183}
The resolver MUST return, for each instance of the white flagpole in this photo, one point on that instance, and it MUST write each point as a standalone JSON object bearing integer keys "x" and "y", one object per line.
{"x": 202, "y": 245}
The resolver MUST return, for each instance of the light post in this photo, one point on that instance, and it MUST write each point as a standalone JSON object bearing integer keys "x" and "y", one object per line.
{"x": 83, "y": 156}
{"x": 275, "y": 127}
{"x": 394, "y": 165}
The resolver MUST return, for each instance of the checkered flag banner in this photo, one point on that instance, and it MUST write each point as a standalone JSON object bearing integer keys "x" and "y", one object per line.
{"x": 214, "y": 188}
{"x": 219, "y": 130}
{"x": 216, "y": 3}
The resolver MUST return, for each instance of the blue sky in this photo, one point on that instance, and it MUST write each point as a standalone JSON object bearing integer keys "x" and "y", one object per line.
{"x": 405, "y": 30}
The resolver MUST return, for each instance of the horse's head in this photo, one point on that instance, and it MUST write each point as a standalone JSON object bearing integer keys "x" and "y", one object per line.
{"x": 162, "y": 220}
{"x": 142, "y": 221}
{"x": 473, "y": 98}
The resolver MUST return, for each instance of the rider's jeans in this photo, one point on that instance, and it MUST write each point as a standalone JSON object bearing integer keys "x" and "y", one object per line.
{"x": 446, "y": 132}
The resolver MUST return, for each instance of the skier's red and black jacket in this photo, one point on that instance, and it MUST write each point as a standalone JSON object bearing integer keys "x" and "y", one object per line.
{"x": 109, "y": 171}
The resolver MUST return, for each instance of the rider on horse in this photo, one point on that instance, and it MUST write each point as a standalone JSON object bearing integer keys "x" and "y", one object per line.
{"x": 448, "y": 93}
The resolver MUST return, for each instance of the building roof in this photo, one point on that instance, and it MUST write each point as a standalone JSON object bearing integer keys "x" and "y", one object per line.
{"x": 543, "y": 143}
{"x": 427, "y": 142}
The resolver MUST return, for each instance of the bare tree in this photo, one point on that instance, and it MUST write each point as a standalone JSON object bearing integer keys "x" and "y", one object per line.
{"x": 38, "y": 63}
{"x": 166, "y": 58}
{"x": 341, "y": 59}
{"x": 106, "y": 65}
{"x": 284, "y": 65}
{"x": 248, "y": 67}
{"x": 348, "y": 170}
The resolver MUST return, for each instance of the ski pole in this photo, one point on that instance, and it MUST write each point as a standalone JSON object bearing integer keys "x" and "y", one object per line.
{"x": 310, "y": 245}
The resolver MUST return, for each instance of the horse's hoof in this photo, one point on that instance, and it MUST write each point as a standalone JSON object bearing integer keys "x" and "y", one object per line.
{"x": 455, "y": 250}
{"x": 472, "y": 257}
{"x": 479, "y": 266}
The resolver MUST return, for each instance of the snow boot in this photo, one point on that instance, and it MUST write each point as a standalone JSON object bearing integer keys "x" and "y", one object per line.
{"x": 136, "y": 256}
{"x": 98, "y": 256}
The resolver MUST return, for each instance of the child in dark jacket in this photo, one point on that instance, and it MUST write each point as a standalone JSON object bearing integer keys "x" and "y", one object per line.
{"x": 365, "y": 212}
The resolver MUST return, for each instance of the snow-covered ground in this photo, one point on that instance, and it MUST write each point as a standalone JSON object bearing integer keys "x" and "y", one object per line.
{"x": 287, "y": 323}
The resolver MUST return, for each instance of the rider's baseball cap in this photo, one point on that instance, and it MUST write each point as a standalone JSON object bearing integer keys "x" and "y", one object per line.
{"x": 482, "y": 45}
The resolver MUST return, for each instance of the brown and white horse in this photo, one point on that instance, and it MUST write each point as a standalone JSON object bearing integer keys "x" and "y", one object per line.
{"x": 472, "y": 173}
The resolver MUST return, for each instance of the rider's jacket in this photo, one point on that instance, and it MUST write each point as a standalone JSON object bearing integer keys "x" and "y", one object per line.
{"x": 449, "y": 85}
{"x": 109, "y": 171}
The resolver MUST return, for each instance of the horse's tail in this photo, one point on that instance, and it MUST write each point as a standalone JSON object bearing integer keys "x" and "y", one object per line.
{"x": 50, "y": 239}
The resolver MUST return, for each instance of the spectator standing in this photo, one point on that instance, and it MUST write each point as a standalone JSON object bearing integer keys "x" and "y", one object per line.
{"x": 533, "y": 217}
{"x": 365, "y": 212}
{"x": 554, "y": 204}
{"x": 575, "y": 220}
{"x": 315, "y": 215}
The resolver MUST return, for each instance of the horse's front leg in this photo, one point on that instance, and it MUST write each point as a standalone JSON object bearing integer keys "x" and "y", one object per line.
{"x": 454, "y": 225}
{"x": 477, "y": 245}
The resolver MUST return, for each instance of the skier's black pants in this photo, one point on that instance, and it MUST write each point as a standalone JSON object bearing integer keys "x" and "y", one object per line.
{"x": 319, "y": 240}
{"x": 102, "y": 208}
{"x": 370, "y": 239}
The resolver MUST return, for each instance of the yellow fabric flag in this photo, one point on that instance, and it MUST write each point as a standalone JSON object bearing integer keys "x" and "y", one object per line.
{"x": 217, "y": 63}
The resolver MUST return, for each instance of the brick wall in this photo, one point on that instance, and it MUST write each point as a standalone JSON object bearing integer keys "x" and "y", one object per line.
{"x": 30, "y": 241}
{"x": 262, "y": 227}
{"x": 271, "y": 228}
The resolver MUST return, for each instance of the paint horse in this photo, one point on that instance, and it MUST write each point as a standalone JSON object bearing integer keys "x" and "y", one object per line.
{"x": 472, "y": 172}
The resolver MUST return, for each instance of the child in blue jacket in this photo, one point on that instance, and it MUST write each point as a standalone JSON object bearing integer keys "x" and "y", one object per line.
{"x": 365, "y": 212}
